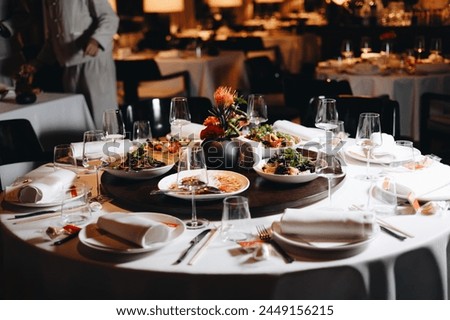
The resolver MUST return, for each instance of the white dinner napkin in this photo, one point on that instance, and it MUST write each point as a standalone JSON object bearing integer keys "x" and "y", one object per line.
{"x": 388, "y": 150}
{"x": 297, "y": 130}
{"x": 120, "y": 147}
{"x": 425, "y": 182}
{"x": 40, "y": 186}
{"x": 327, "y": 224}
{"x": 139, "y": 230}
{"x": 191, "y": 130}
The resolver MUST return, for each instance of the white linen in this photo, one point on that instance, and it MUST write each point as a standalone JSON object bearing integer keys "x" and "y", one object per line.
{"x": 387, "y": 152}
{"x": 327, "y": 224}
{"x": 120, "y": 147}
{"x": 297, "y": 130}
{"x": 424, "y": 181}
{"x": 139, "y": 230}
{"x": 42, "y": 185}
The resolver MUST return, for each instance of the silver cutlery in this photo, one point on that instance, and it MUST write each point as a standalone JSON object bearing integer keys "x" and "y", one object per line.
{"x": 392, "y": 233}
{"x": 265, "y": 236}
{"x": 192, "y": 244}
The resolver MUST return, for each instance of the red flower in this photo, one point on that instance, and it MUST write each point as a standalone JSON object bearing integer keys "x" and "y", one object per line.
{"x": 212, "y": 132}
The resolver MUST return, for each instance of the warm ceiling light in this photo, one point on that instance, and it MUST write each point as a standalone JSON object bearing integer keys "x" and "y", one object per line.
{"x": 163, "y": 6}
{"x": 268, "y": 1}
{"x": 224, "y": 3}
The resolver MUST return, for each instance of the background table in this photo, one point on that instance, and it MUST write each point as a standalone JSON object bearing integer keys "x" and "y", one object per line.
{"x": 406, "y": 89}
{"x": 416, "y": 268}
{"x": 56, "y": 117}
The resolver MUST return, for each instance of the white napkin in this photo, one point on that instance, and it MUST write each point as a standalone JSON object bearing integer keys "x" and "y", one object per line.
{"x": 387, "y": 151}
{"x": 120, "y": 147}
{"x": 42, "y": 185}
{"x": 191, "y": 130}
{"x": 327, "y": 225}
{"x": 425, "y": 182}
{"x": 297, "y": 130}
{"x": 139, "y": 230}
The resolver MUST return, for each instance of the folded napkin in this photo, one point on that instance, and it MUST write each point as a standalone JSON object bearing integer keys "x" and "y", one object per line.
{"x": 387, "y": 151}
{"x": 327, "y": 225}
{"x": 136, "y": 229}
{"x": 297, "y": 130}
{"x": 120, "y": 147}
{"x": 191, "y": 130}
{"x": 424, "y": 182}
{"x": 40, "y": 186}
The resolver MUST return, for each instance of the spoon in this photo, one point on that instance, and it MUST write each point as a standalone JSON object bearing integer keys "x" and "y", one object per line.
{"x": 204, "y": 190}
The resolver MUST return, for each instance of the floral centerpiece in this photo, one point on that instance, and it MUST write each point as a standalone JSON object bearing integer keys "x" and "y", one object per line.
{"x": 226, "y": 119}
{"x": 225, "y": 122}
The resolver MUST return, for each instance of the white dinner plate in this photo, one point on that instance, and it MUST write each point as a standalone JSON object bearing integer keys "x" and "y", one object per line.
{"x": 141, "y": 174}
{"x": 399, "y": 154}
{"x": 214, "y": 176}
{"x": 42, "y": 204}
{"x": 283, "y": 178}
{"x": 321, "y": 246}
{"x": 95, "y": 238}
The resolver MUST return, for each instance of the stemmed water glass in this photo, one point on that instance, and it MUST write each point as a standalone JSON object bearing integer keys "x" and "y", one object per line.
{"x": 192, "y": 175}
{"x": 93, "y": 158}
{"x": 327, "y": 165}
{"x": 179, "y": 113}
{"x": 369, "y": 136}
{"x": 257, "y": 109}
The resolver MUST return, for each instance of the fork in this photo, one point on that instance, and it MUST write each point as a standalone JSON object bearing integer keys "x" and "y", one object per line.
{"x": 265, "y": 236}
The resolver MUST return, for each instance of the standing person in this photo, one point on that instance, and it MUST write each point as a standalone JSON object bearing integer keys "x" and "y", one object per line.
{"x": 79, "y": 35}
{"x": 13, "y": 16}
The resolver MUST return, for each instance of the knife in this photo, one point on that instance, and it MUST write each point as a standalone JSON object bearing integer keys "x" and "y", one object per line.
{"x": 192, "y": 243}
{"x": 31, "y": 214}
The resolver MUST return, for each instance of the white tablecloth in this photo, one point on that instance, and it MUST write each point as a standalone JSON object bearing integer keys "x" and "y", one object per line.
{"x": 56, "y": 117}
{"x": 406, "y": 89}
{"x": 387, "y": 269}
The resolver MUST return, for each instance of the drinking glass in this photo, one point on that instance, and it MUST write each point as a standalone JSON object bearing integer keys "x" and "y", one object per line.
{"x": 328, "y": 166}
{"x": 382, "y": 199}
{"x": 436, "y": 49}
{"x": 94, "y": 158}
{"x": 366, "y": 47}
{"x": 179, "y": 113}
{"x": 63, "y": 157}
{"x": 75, "y": 207}
{"x": 113, "y": 125}
{"x": 347, "y": 49}
{"x": 192, "y": 175}
{"x": 327, "y": 114}
{"x": 142, "y": 131}
{"x": 257, "y": 109}
{"x": 368, "y": 136}
{"x": 236, "y": 219}
{"x": 419, "y": 47}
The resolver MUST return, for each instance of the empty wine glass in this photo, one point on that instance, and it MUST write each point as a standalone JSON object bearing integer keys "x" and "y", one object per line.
{"x": 64, "y": 157}
{"x": 113, "y": 125}
{"x": 192, "y": 175}
{"x": 326, "y": 115}
{"x": 328, "y": 166}
{"x": 142, "y": 131}
{"x": 257, "y": 109}
{"x": 436, "y": 49}
{"x": 369, "y": 136}
{"x": 366, "y": 46}
{"x": 419, "y": 47}
{"x": 179, "y": 113}
{"x": 93, "y": 158}
{"x": 347, "y": 49}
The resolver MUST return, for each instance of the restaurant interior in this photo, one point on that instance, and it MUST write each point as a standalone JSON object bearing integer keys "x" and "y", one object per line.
{"x": 363, "y": 216}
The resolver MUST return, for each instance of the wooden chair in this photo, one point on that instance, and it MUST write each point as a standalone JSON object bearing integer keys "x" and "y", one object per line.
{"x": 350, "y": 107}
{"x": 435, "y": 125}
{"x": 157, "y": 111}
{"x": 143, "y": 79}
{"x": 298, "y": 91}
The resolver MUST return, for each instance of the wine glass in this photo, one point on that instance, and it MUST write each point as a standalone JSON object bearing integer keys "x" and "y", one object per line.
{"x": 347, "y": 49}
{"x": 64, "y": 157}
{"x": 192, "y": 175}
{"x": 326, "y": 117}
{"x": 113, "y": 125}
{"x": 142, "y": 131}
{"x": 366, "y": 47}
{"x": 257, "y": 109}
{"x": 179, "y": 113}
{"x": 419, "y": 47}
{"x": 93, "y": 158}
{"x": 436, "y": 49}
{"x": 327, "y": 165}
{"x": 368, "y": 136}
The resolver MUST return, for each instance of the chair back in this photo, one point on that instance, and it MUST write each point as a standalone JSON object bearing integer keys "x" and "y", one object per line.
{"x": 264, "y": 75}
{"x": 298, "y": 91}
{"x": 350, "y": 107}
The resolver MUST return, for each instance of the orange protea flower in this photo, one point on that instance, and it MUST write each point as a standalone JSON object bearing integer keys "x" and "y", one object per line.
{"x": 212, "y": 132}
{"x": 211, "y": 121}
{"x": 224, "y": 96}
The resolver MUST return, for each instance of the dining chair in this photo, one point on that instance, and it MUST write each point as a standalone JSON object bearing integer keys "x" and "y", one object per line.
{"x": 299, "y": 90}
{"x": 435, "y": 125}
{"x": 143, "y": 79}
{"x": 350, "y": 107}
{"x": 157, "y": 111}
{"x": 240, "y": 43}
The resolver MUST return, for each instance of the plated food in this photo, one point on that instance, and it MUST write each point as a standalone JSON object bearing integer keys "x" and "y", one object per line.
{"x": 287, "y": 166}
{"x": 271, "y": 138}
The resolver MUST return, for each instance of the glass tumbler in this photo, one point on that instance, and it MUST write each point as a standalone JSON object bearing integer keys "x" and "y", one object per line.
{"x": 236, "y": 217}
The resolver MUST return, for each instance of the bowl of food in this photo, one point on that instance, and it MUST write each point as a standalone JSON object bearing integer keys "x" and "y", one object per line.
{"x": 287, "y": 166}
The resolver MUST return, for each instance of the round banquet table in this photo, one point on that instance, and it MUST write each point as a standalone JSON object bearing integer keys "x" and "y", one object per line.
{"x": 417, "y": 268}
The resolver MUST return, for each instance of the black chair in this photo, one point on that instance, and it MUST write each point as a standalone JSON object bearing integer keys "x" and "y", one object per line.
{"x": 137, "y": 74}
{"x": 435, "y": 125}
{"x": 298, "y": 91}
{"x": 157, "y": 111}
{"x": 350, "y": 107}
